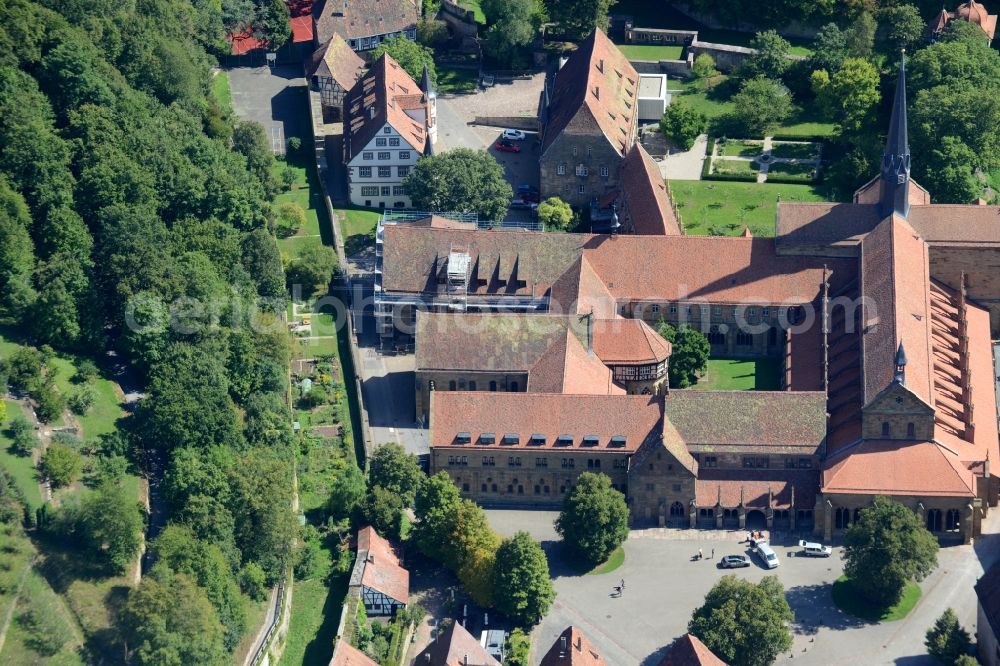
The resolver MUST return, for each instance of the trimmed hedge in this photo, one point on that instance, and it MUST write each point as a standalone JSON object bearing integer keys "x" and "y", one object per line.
{"x": 815, "y": 138}
{"x": 791, "y": 180}
{"x": 709, "y": 148}
{"x": 739, "y": 177}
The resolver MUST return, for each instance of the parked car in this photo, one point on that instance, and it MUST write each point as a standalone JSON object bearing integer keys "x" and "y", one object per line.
{"x": 812, "y": 549}
{"x": 734, "y": 562}
{"x": 518, "y": 202}
{"x": 769, "y": 557}
{"x": 513, "y": 135}
{"x": 507, "y": 146}
{"x": 528, "y": 193}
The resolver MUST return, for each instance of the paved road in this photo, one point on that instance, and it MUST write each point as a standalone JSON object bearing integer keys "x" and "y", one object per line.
{"x": 663, "y": 587}
{"x": 453, "y": 132}
{"x": 685, "y": 165}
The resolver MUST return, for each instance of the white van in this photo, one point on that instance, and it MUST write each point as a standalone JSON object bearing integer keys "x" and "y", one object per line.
{"x": 769, "y": 557}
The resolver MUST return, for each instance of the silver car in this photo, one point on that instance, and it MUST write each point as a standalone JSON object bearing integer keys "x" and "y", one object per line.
{"x": 812, "y": 549}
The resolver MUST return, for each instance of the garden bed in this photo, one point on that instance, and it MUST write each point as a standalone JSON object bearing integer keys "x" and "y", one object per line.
{"x": 801, "y": 151}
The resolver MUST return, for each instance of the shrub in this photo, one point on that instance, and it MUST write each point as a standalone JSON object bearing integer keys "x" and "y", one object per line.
{"x": 50, "y": 402}
{"x": 555, "y": 213}
{"x": 682, "y": 124}
{"x": 288, "y": 178}
{"x": 86, "y": 371}
{"x": 252, "y": 581}
{"x": 294, "y": 144}
{"x": 82, "y": 400}
{"x": 61, "y": 465}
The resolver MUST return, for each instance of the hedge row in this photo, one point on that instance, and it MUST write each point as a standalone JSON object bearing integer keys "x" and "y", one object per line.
{"x": 738, "y": 177}
{"x": 708, "y": 157}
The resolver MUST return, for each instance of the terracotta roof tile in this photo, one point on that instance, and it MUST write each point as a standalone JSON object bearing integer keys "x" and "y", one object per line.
{"x": 345, "y": 654}
{"x": 673, "y": 442}
{"x": 353, "y": 19}
{"x": 635, "y": 417}
{"x": 645, "y": 201}
{"x": 596, "y": 85}
{"x": 567, "y": 368}
{"x": 896, "y": 467}
{"x": 628, "y": 342}
{"x": 572, "y": 649}
{"x": 381, "y": 96}
{"x": 336, "y": 60}
{"x": 794, "y": 421}
{"x": 455, "y": 646}
{"x": 719, "y": 270}
{"x": 730, "y": 487}
{"x": 381, "y": 569}
{"x": 688, "y": 650}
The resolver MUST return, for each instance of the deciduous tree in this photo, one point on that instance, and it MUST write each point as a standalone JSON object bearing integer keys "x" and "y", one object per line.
{"x": 555, "y": 213}
{"x": 513, "y": 25}
{"x": 768, "y": 59}
{"x": 946, "y": 641}
{"x": 578, "y": 18}
{"x": 61, "y": 465}
{"x": 899, "y": 27}
{"x": 689, "y": 357}
{"x": 435, "y": 508}
{"x": 760, "y": 105}
{"x": 594, "y": 519}
{"x": 682, "y": 123}
{"x": 744, "y": 623}
{"x": 346, "y": 491}
{"x": 522, "y": 588}
{"x": 383, "y": 510}
{"x": 462, "y": 180}
{"x": 392, "y": 468}
{"x": 313, "y": 269}
{"x": 887, "y": 548}
{"x": 410, "y": 55}
{"x": 112, "y": 525}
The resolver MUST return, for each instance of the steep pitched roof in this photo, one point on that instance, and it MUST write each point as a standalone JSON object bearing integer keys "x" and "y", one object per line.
{"x": 455, "y": 646}
{"x": 568, "y": 368}
{"x": 365, "y": 18}
{"x": 634, "y": 417}
{"x": 644, "y": 196}
{"x": 897, "y": 467}
{"x": 336, "y": 60}
{"x": 755, "y": 488}
{"x": 597, "y": 85}
{"x": 381, "y": 96}
{"x": 795, "y": 421}
{"x": 895, "y": 278}
{"x": 988, "y": 592}
{"x": 629, "y": 342}
{"x": 381, "y": 570}
{"x": 673, "y": 442}
{"x": 503, "y": 262}
{"x": 572, "y": 649}
{"x": 345, "y": 654}
{"x": 688, "y": 650}
{"x": 975, "y": 12}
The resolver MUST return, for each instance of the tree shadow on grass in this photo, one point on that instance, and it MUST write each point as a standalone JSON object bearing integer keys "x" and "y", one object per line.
{"x": 319, "y": 651}
{"x": 814, "y": 608}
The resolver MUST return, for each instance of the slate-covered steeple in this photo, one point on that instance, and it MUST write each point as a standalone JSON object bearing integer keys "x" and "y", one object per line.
{"x": 896, "y": 156}
{"x": 901, "y": 364}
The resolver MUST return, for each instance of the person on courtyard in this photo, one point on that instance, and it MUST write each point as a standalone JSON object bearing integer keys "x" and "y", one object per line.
{"x": 700, "y": 555}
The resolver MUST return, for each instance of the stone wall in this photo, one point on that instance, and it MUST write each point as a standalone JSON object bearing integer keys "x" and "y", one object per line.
{"x": 461, "y": 21}
{"x": 570, "y": 150}
{"x": 970, "y": 512}
{"x": 464, "y": 381}
{"x": 658, "y": 484}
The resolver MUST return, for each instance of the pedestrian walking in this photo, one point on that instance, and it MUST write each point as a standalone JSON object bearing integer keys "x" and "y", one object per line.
{"x": 700, "y": 556}
{"x": 623, "y": 583}
{"x": 713, "y": 553}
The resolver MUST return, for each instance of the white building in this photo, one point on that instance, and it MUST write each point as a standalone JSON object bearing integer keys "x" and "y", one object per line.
{"x": 389, "y": 123}
{"x": 653, "y": 97}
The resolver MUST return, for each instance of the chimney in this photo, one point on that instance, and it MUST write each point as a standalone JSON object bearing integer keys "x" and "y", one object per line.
{"x": 465, "y": 660}
{"x": 562, "y": 646}
{"x": 371, "y": 558}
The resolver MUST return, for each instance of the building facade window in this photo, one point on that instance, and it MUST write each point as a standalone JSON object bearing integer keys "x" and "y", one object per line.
{"x": 386, "y": 130}
{"x": 404, "y": 154}
{"x": 365, "y": 172}
{"x": 744, "y": 339}
{"x": 366, "y": 156}
{"x": 886, "y": 429}
{"x": 604, "y": 171}
{"x": 385, "y": 155}
{"x": 380, "y": 143}
{"x": 582, "y": 171}
{"x": 514, "y": 461}
{"x": 384, "y": 172}
{"x": 398, "y": 190}
{"x": 710, "y": 461}
{"x": 760, "y": 462}
{"x": 489, "y": 461}
{"x": 581, "y": 190}
{"x": 369, "y": 191}
{"x": 561, "y": 169}
{"x": 386, "y": 190}
{"x": 541, "y": 462}
{"x": 394, "y": 141}
{"x": 403, "y": 171}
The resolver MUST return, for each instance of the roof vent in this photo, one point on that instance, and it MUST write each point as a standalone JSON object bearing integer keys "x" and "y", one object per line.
{"x": 597, "y": 92}
{"x": 562, "y": 646}
{"x": 600, "y": 65}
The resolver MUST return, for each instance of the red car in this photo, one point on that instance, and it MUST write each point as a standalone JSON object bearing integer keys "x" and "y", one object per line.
{"x": 507, "y": 146}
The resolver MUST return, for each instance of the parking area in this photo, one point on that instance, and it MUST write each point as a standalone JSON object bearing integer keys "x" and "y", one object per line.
{"x": 273, "y": 97}
{"x": 664, "y": 585}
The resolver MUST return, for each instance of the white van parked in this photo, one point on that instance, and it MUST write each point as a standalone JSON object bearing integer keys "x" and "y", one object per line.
{"x": 769, "y": 557}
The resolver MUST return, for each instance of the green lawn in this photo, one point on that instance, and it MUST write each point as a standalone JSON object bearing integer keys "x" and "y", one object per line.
{"x": 20, "y": 467}
{"x": 357, "y": 226}
{"x": 615, "y": 560}
{"x": 802, "y": 151}
{"x": 312, "y": 231}
{"x": 724, "y": 208}
{"x": 14, "y": 557}
{"x": 806, "y": 171}
{"x": 651, "y": 52}
{"x": 740, "y": 148}
{"x": 725, "y": 374}
{"x": 20, "y": 646}
{"x": 474, "y": 6}
{"x": 222, "y": 92}
{"x": 849, "y": 601}
{"x": 733, "y": 167}
{"x": 457, "y": 79}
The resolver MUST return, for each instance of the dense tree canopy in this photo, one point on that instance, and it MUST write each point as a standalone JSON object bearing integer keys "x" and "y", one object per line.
{"x": 681, "y": 123}
{"x": 578, "y": 18}
{"x": 522, "y": 587}
{"x": 594, "y": 519}
{"x": 744, "y": 623}
{"x": 887, "y": 548}
{"x": 392, "y": 468}
{"x": 513, "y": 25}
{"x": 462, "y": 180}
{"x": 689, "y": 358}
{"x": 760, "y": 105}
{"x": 410, "y": 55}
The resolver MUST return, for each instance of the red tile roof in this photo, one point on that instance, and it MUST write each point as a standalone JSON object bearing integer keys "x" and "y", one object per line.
{"x": 729, "y": 487}
{"x": 896, "y": 467}
{"x": 242, "y": 43}
{"x": 645, "y": 201}
{"x": 688, "y": 650}
{"x": 381, "y": 96}
{"x": 975, "y": 12}
{"x": 382, "y": 571}
{"x": 636, "y": 417}
{"x": 711, "y": 269}
{"x": 567, "y": 368}
{"x": 572, "y": 649}
{"x": 300, "y": 12}
{"x": 628, "y": 342}
{"x": 455, "y": 646}
{"x": 895, "y": 280}
{"x": 345, "y": 654}
{"x": 596, "y": 85}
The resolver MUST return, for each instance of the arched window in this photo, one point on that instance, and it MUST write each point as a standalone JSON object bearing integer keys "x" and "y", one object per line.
{"x": 676, "y": 510}
{"x": 952, "y": 520}
{"x": 911, "y": 430}
{"x": 842, "y": 518}
{"x": 934, "y": 520}
{"x": 452, "y": 385}
{"x": 857, "y": 514}
{"x": 484, "y": 488}
{"x": 886, "y": 431}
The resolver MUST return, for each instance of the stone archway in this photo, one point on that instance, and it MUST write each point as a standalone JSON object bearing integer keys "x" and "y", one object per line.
{"x": 756, "y": 520}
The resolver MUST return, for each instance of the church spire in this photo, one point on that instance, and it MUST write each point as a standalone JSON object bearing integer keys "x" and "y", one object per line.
{"x": 896, "y": 156}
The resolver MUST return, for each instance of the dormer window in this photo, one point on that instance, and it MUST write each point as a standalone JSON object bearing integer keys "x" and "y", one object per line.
{"x": 537, "y": 439}
{"x": 564, "y": 440}
{"x": 463, "y": 438}
{"x": 511, "y": 438}
{"x": 488, "y": 438}
{"x": 591, "y": 440}
{"x": 618, "y": 441}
